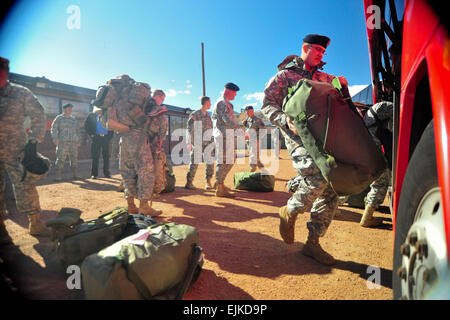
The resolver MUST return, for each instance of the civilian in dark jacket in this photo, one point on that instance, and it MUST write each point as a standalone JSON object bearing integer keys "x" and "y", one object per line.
{"x": 100, "y": 142}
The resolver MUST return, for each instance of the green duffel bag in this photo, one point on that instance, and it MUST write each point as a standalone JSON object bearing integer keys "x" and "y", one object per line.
{"x": 254, "y": 181}
{"x": 76, "y": 241}
{"x": 168, "y": 261}
{"x": 334, "y": 135}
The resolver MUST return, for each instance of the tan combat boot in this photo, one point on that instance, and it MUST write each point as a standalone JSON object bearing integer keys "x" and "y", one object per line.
{"x": 208, "y": 185}
{"x": 146, "y": 209}
{"x": 131, "y": 206}
{"x": 368, "y": 221}
{"x": 121, "y": 188}
{"x": 313, "y": 249}
{"x": 37, "y": 228}
{"x": 189, "y": 186}
{"x": 4, "y": 236}
{"x": 287, "y": 224}
{"x": 58, "y": 176}
{"x": 223, "y": 191}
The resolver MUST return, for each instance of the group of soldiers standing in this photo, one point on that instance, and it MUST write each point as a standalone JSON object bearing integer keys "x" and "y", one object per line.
{"x": 211, "y": 138}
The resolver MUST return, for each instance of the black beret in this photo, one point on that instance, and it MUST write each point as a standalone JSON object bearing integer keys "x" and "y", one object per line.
{"x": 69, "y": 105}
{"x": 4, "y": 64}
{"x": 248, "y": 108}
{"x": 317, "y": 39}
{"x": 232, "y": 86}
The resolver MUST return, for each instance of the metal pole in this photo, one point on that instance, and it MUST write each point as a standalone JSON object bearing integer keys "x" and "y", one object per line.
{"x": 203, "y": 69}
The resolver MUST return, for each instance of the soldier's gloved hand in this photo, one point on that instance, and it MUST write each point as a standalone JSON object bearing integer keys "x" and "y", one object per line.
{"x": 292, "y": 127}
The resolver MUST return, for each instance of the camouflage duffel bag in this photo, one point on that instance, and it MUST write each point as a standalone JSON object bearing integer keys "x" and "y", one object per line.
{"x": 254, "y": 181}
{"x": 76, "y": 239}
{"x": 162, "y": 265}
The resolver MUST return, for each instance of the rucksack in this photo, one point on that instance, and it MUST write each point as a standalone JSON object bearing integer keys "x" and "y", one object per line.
{"x": 334, "y": 135}
{"x": 122, "y": 100}
{"x": 75, "y": 239}
{"x": 170, "y": 177}
{"x": 254, "y": 181}
{"x": 168, "y": 259}
{"x": 385, "y": 137}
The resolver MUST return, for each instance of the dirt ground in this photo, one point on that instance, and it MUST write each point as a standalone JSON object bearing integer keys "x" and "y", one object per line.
{"x": 245, "y": 257}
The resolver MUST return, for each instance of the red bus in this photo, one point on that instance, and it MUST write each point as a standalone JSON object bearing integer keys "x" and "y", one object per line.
{"x": 409, "y": 48}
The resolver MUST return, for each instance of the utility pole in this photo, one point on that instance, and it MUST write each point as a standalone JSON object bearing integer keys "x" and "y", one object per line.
{"x": 203, "y": 69}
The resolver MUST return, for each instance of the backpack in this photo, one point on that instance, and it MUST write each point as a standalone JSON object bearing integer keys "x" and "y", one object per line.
{"x": 170, "y": 177}
{"x": 75, "y": 239}
{"x": 385, "y": 137}
{"x": 122, "y": 100}
{"x": 254, "y": 181}
{"x": 162, "y": 266}
{"x": 334, "y": 135}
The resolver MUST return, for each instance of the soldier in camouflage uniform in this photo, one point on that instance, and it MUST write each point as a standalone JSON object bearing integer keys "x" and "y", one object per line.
{"x": 253, "y": 124}
{"x": 157, "y": 134}
{"x": 17, "y": 103}
{"x": 136, "y": 165}
{"x": 314, "y": 193}
{"x": 199, "y": 127}
{"x": 224, "y": 126}
{"x": 378, "y": 189}
{"x": 66, "y": 136}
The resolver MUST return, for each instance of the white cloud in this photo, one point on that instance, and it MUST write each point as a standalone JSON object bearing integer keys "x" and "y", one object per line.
{"x": 258, "y": 96}
{"x": 188, "y": 81}
{"x": 171, "y": 93}
{"x": 189, "y": 86}
{"x": 187, "y": 91}
{"x": 356, "y": 88}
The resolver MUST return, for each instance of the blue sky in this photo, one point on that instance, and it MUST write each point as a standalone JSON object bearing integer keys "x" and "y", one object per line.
{"x": 159, "y": 42}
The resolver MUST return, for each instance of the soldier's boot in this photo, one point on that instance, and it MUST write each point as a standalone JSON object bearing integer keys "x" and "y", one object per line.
{"x": 146, "y": 209}
{"x": 58, "y": 176}
{"x": 253, "y": 167}
{"x": 368, "y": 220}
{"x": 208, "y": 185}
{"x": 75, "y": 173}
{"x": 223, "y": 191}
{"x": 189, "y": 185}
{"x": 287, "y": 225}
{"x": 36, "y": 227}
{"x": 4, "y": 236}
{"x": 131, "y": 206}
{"x": 313, "y": 249}
{"x": 121, "y": 188}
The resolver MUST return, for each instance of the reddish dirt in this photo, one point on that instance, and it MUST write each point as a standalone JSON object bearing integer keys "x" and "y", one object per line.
{"x": 245, "y": 257}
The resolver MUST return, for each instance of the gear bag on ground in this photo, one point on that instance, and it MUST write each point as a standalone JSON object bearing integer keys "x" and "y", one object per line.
{"x": 335, "y": 136}
{"x": 254, "y": 181}
{"x": 167, "y": 259}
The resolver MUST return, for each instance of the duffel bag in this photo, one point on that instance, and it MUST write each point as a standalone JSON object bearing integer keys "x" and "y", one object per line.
{"x": 135, "y": 223}
{"x": 74, "y": 243}
{"x": 254, "y": 181}
{"x": 166, "y": 260}
{"x": 334, "y": 135}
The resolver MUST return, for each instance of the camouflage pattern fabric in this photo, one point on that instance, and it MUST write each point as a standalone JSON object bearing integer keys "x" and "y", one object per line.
{"x": 256, "y": 124}
{"x": 201, "y": 121}
{"x": 378, "y": 190}
{"x": 16, "y": 104}
{"x": 160, "y": 168}
{"x": 65, "y": 131}
{"x": 313, "y": 193}
{"x": 136, "y": 165}
{"x": 223, "y": 118}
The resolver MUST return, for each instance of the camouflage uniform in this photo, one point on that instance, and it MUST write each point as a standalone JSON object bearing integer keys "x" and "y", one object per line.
{"x": 195, "y": 137}
{"x": 255, "y": 124}
{"x": 65, "y": 131}
{"x": 223, "y": 118}
{"x": 314, "y": 193}
{"x": 17, "y": 103}
{"x": 378, "y": 188}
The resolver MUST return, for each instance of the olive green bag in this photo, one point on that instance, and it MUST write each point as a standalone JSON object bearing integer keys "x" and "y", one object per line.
{"x": 75, "y": 239}
{"x": 167, "y": 261}
{"x": 334, "y": 135}
{"x": 254, "y": 181}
